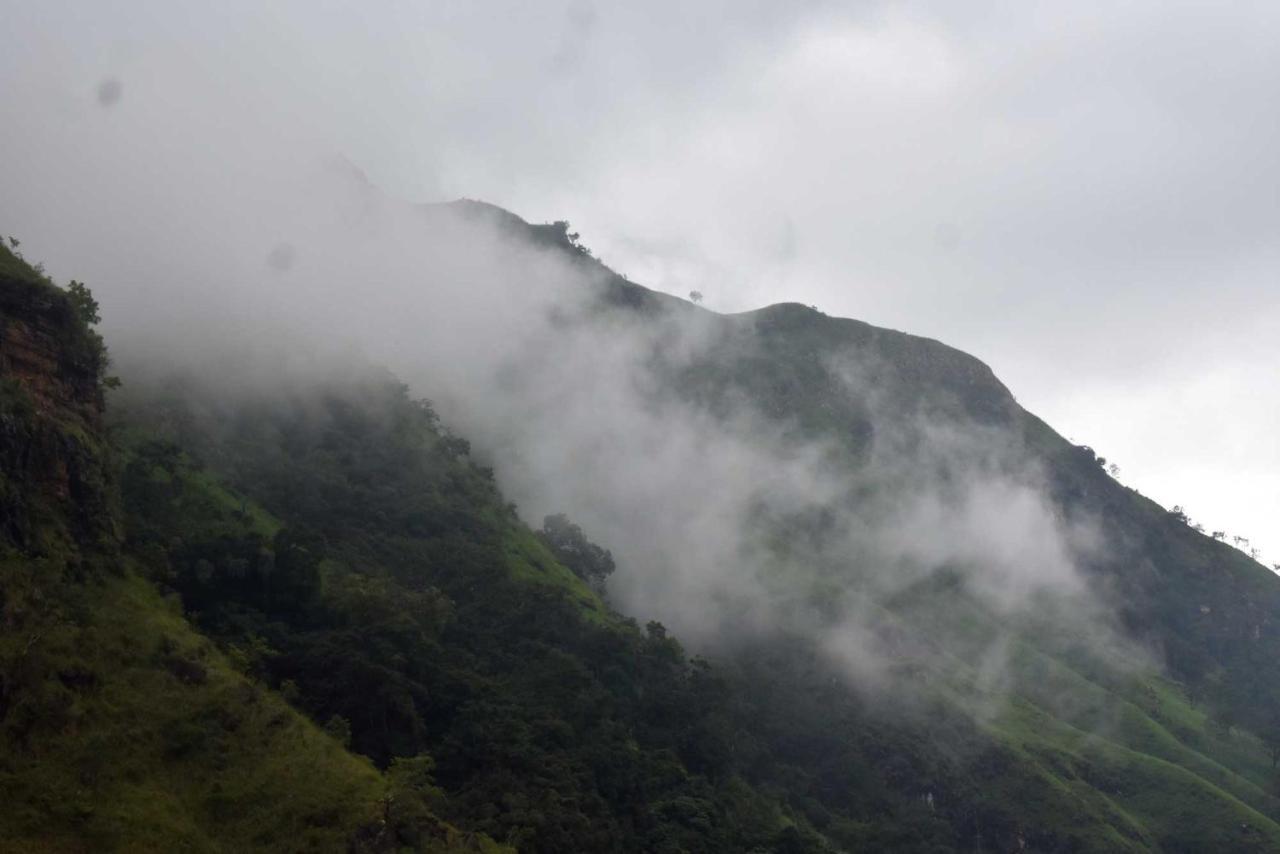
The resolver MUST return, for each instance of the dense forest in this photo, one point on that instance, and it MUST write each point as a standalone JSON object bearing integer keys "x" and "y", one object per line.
{"x": 304, "y": 616}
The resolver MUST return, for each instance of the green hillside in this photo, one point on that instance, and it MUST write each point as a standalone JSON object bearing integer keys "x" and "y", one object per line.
{"x": 122, "y": 727}
{"x": 302, "y": 616}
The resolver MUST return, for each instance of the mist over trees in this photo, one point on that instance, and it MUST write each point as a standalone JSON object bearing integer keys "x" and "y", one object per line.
{"x": 571, "y": 547}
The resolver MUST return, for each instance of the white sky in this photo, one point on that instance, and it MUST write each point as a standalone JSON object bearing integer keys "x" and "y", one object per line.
{"x": 1086, "y": 196}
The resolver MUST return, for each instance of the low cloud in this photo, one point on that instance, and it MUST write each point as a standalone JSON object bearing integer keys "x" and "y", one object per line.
{"x": 221, "y": 236}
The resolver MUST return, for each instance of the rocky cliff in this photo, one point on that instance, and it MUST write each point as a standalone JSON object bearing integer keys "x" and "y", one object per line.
{"x": 53, "y": 467}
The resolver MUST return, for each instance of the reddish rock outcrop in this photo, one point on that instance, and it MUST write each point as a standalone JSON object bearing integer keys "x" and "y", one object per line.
{"x": 53, "y": 470}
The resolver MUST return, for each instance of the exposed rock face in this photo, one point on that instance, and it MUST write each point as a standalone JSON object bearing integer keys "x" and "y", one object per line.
{"x": 53, "y": 472}
{"x": 43, "y": 349}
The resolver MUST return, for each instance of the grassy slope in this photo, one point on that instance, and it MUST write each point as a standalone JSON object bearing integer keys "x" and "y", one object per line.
{"x": 1132, "y": 735}
{"x": 529, "y": 560}
{"x": 1119, "y": 745}
{"x": 1177, "y": 795}
{"x": 170, "y": 748}
{"x": 14, "y": 269}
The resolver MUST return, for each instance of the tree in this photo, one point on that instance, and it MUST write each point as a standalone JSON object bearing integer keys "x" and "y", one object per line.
{"x": 695, "y": 297}
{"x": 86, "y": 310}
{"x": 572, "y": 548}
{"x": 86, "y": 307}
{"x": 567, "y": 239}
{"x": 562, "y": 227}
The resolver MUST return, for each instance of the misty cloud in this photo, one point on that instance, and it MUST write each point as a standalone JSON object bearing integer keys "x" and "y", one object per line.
{"x": 1059, "y": 191}
{"x": 893, "y": 162}
{"x": 576, "y": 409}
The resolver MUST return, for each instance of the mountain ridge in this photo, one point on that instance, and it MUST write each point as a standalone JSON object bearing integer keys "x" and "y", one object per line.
{"x": 331, "y": 548}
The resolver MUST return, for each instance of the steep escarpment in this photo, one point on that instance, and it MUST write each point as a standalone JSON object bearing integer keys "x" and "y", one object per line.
{"x": 48, "y": 349}
{"x": 54, "y": 470}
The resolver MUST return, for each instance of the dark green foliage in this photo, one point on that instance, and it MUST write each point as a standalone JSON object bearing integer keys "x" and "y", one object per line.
{"x": 557, "y": 234}
{"x": 419, "y": 623}
{"x": 549, "y": 728}
{"x": 86, "y": 307}
{"x": 121, "y": 728}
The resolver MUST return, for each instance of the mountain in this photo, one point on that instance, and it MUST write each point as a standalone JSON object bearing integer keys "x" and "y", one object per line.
{"x": 301, "y": 614}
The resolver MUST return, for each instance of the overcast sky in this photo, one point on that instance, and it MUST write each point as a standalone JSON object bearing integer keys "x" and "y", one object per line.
{"x": 1086, "y": 196}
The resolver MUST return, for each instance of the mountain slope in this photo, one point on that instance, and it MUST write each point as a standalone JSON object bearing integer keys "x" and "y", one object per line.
{"x": 122, "y": 727}
{"x": 404, "y": 597}
{"x": 1178, "y": 598}
{"x": 1208, "y": 608}
{"x": 327, "y": 546}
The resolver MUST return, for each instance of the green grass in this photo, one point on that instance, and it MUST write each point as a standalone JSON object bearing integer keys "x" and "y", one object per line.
{"x": 149, "y": 739}
{"x": 1164, "y": 801}
{"x": 207, "y": 506}
{"x": 1120, "y": 746}
{"x": 1107, "y": 751}
{"x": 224, "y": 506}
{"x": 530, "y": 561}
{"x": 165, "y": 747}
{"x": 13, "y": 266}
